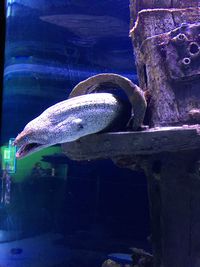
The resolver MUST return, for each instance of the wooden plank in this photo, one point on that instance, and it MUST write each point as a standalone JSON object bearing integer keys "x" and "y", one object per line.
{"x": 159, "y": 62}
{"x": 120, "y": 144}
{"x": 152, "y": 22}
{"x": 138, "y": 5}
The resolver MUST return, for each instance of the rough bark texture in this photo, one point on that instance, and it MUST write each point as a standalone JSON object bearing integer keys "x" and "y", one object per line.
{"x": 136, "y": 6}
{"x": 166, "y": 65}
{"x": 127, "y": 144}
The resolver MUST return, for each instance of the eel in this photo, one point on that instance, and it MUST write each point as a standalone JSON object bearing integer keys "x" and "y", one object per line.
{"x": 82, "y": 114}
{"x": 136, "y": 96}
{"x": 69, "y": 120}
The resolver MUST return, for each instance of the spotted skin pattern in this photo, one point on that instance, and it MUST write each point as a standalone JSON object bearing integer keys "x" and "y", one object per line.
{"x": 67, "y": 121}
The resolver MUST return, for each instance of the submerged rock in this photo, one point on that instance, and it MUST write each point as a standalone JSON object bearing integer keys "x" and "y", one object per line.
{"x": 111, "y": 263}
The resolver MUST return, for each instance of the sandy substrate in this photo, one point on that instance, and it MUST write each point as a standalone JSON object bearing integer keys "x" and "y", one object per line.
{"x": 38, "y": 251}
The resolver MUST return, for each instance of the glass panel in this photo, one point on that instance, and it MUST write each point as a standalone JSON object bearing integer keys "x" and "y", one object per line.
{"x": 55, "y": 211}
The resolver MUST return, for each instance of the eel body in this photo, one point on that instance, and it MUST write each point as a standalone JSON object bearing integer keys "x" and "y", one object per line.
{"x": 69, "y": 120}
{"x": 135, "y": 95}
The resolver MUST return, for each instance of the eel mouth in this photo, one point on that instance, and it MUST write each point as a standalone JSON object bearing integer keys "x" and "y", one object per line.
{"x": 27, "y": 149}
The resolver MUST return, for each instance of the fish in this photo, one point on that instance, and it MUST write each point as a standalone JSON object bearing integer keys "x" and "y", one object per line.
{"x": 136, "y": 96}
{"x": 70, "y": 120}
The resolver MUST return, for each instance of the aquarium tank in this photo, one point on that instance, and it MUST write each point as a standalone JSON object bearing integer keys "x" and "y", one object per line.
{"x": 55, "y": 211}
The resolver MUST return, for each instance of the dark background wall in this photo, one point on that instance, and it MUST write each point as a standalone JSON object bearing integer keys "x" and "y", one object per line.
{"x": 2, "y": 45}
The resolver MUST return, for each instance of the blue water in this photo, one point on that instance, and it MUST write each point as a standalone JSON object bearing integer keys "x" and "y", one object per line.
{"x": 79, "y": 216}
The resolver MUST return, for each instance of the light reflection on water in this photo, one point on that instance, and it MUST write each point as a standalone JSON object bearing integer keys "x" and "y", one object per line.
{"x": 54, "y": 72}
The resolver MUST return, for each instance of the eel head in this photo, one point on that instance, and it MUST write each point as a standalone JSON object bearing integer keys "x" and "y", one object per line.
{"x": 29, "y": 141}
